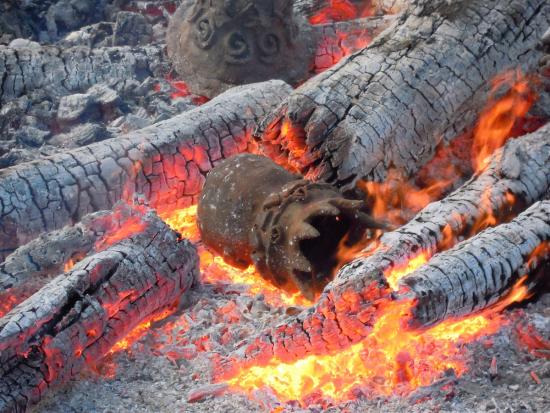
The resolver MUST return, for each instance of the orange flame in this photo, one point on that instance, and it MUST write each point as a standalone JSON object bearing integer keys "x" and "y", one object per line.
{"x": 396, "y": 200}
{"x": 215, "y": 270}
{"x": 391, "y": 360}
{"x": 496, "y": 123}
{"x": 68, "y": 266}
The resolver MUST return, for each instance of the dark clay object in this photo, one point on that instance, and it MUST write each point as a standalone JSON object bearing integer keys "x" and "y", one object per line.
{"x": 252, "y": 211}
{"x": 217, "y": 44}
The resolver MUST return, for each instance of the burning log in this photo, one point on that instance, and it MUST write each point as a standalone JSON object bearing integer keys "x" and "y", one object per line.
{"x": 29, "y": 267}
{"x": 478, "y": 272}
{"x": 76, "y": 318}
{"x": 421, "y": 82}
{"x": 288, "y": 227}
{"x": 165, "y": 163}
{"x": 516, "y": 176}
{"x": 75, "y": 69}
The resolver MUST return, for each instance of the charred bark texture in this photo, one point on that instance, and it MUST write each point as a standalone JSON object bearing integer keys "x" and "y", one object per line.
{"x": 421, "y": 82}
{"x": 165, "y": 163}
{"x": 75, "y": 69}
{"x": 336, "y": 40}
{"x": 76, "y": 318}
{"x": 30, "y": 266}
{"x": 343, "y": 314}
{"x": 478, "y": 272}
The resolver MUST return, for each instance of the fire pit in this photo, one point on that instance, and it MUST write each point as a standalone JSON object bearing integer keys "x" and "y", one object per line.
{"x": 294, "y": 206}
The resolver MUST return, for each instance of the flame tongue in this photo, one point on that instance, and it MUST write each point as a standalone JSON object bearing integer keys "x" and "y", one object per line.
{"x": 392, "y": 360}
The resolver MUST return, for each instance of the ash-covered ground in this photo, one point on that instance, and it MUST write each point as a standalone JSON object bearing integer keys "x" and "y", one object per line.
{"x": 172, "y": 360}
{"x": 172, "y": 364}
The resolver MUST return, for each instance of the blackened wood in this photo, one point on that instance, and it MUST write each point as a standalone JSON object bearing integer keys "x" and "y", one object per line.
{"x": 76, "y": 318}
{"x": 166, "y": 163}
{"x": 422, "y": 81}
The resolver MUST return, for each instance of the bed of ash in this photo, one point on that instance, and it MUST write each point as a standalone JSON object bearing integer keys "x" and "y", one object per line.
{"x": 166, "y": 365}
{"x": 170, "y": 365}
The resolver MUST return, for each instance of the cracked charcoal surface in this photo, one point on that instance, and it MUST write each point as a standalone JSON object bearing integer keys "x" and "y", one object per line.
{"x": 160, "y": 371}
{"x": 76, "y": 318}
{"x": 480, "y": 270}
{"x": 32, "y": 265}
{"x": 422, "y": 81}
{"x": 171, "y": 159}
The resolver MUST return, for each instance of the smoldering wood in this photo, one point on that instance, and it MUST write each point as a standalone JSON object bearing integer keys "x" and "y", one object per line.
{"x": 343, "y": 314}
{"x": 30, "y": 266}
{"x": 333, "y": 41}
{"x": 481, "y": 270}
{"x": 165, "y": 163}
{"x": 520, "y": 169}
{"x": 421, "y": 82}
{"x": 61, "y": 70}
{"x": 76, "y": 318}
{"x": 308, "y": 8}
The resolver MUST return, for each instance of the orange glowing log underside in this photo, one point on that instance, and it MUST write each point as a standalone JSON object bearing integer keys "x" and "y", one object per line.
{"x": 214, "y": 269}
{"x": 391, "y": 360}
{"x": 340, "y": 10}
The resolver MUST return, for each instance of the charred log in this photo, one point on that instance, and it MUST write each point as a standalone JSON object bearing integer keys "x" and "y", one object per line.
{"x": 344, "y": 313}
{"x": 76, "y": 318}
{"x": 478, "y": 272}
{"x": 421, "y": 82}
{"x": 30, "y": 19}
{"x": 286, "y": 226}
{"x": 72, "y": 70}
{"x": 30, "y": 266}
{"x": 165, "y": 163}
{"x": 337, "y": 40}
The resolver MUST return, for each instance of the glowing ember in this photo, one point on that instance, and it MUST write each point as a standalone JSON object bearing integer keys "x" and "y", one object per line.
{"x": 333, "y": 48}
{"x": 533, "y": 341}
{"x": 391, "y": 360}
{"x": 341, "y": 10}
{"x": 131, "y": 226}
{"x": 140, "y": 331}
{"x": 398, "y": 272}
{"x": 180, "y": 90}
{"x": 497, "y": 122}
{"x": 214, "y": 269}
{"x": 7, "y": 302}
